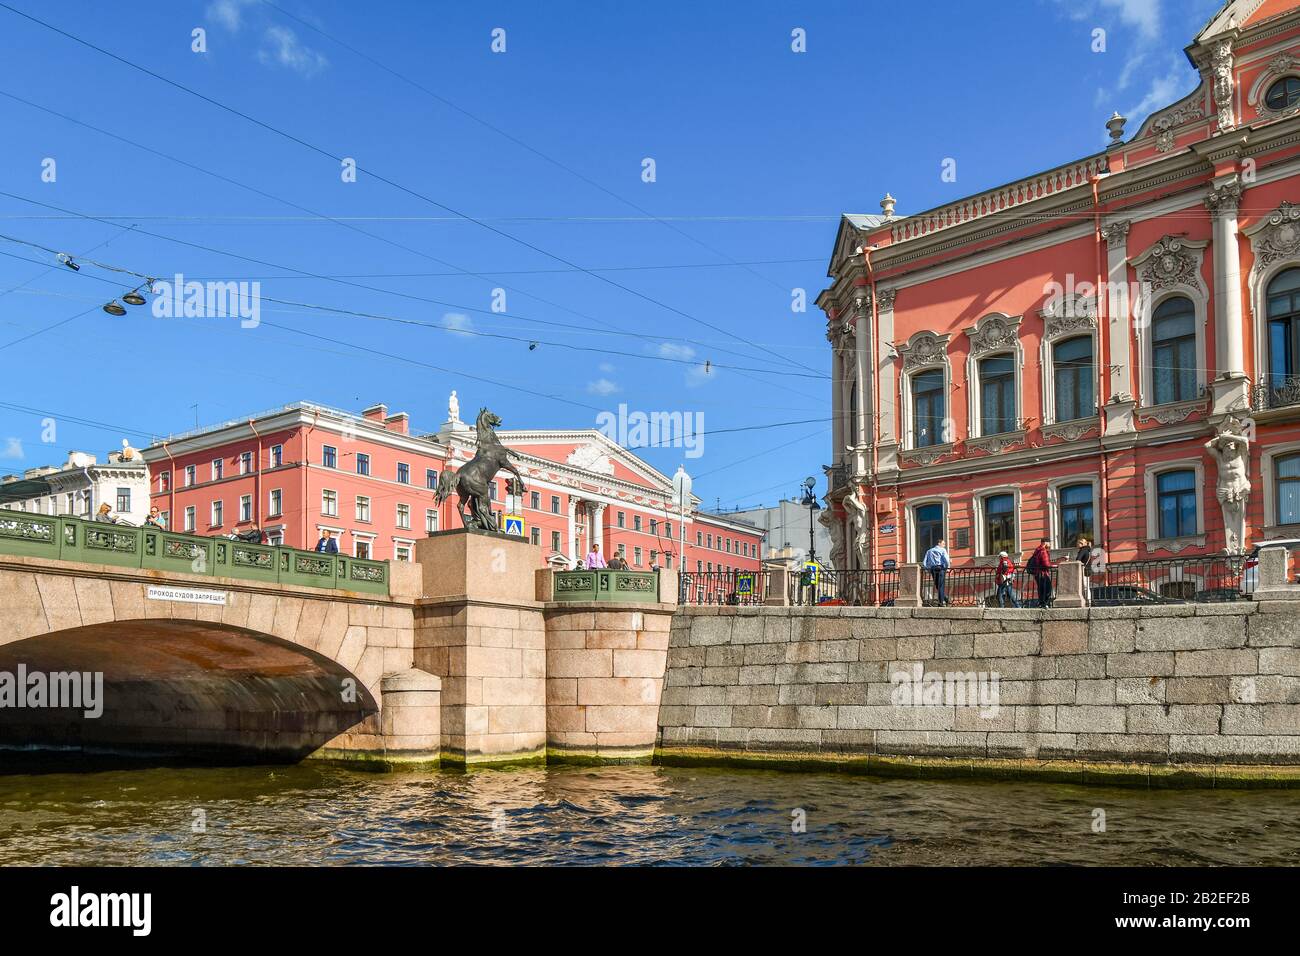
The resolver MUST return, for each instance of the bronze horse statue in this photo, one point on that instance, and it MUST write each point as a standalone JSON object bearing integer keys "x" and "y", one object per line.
{"x": 471, "y": 482}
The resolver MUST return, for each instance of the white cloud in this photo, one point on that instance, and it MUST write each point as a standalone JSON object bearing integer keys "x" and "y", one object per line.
{"x": 458, "y": 323}
{"x": 13, "y": 448}
{"x": 698, "y": 375}
{"x": 1142, "y": 15}
{"x": 602, "y": 386}
{"x": 1163, "y": 90}
{"x": 283, "y": 48}
{"x": 674, "y": 351}
{"x": 607, "y": 367}
{"x": 229, "y": 13}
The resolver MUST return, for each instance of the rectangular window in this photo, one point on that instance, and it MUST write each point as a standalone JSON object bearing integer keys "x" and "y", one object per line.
{"x": 71, "y": 503}
{"x": 492, "y": 490}
{"x": 363, "y": 508}
{"x": 362, "y": 550}
{"x": 189, "y": 518}
{"x": 430, "y": 479}
{"x": 1000, "y": 524}
{"x": 654, "y": 526}
{"x": 329, "y": 503}
{"x": 430, "y": 521}
{"x": 668, "y": 529}
{"x": 189, "y": 475}
{"x": 403, "y": 516}
{"x": 535, "y": 501}
{"x": 1176, "y": 504}
{"x": 997, "y": 395}
{"x": 402, "y": 552}
{"x": 123, "y": 501}
{"x": 218, "y": 512}
{"x": 1286, "y": 473}
{"x": 555, "y": 541}
{"x": 928, "y": 408}
{"x": 535, "y": 535}
{"x": 165, "y": 481}
{"x": 329, "y": 456}
{"x": 636, "y": 557}
{"x": 246, "y": 463}
{"x": 636, "y": 522}
{"x": 555, "y": 505}
{"x": 275, "y": 538}
{"x": 708, "y": 541}
{"x": 245, "y": 508}
{"x": 622, "y": 519}
{"x": 1076, "y": 514}
{"x": 277, "y": 456}
{"x": 699, "y": 539}
{"x": 363, "y": 463}
{"x": 276, "y": 503}
{"x": 403, "y": 473}
{"x": 218, "y": 469}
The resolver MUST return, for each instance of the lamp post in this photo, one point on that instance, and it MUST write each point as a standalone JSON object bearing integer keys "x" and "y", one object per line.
{"x": 810, "y": 499}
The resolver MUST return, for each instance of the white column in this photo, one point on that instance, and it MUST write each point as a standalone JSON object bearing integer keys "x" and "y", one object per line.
{"x": 573, "y": 528}
{"x": 889, "y": 424}
{"x": 1119, "y": 330}
{"x": 598, "y": 528}
{"x": 1229, "y": 385}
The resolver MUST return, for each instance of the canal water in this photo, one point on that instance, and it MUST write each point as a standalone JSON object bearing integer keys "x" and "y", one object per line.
{"x": 321, "y": 814}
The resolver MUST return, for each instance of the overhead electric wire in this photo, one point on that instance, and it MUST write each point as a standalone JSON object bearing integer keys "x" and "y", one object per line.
{"x": 380, "y": 177}
{"x": 603, "y": 327}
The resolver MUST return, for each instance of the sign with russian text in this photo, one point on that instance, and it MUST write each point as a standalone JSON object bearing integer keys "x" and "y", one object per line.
{"x": 185, "y": 595}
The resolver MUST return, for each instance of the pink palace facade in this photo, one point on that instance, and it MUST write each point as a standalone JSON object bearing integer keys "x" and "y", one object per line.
{"x": 300, "y": 470}
{"x": 986, "y": 393}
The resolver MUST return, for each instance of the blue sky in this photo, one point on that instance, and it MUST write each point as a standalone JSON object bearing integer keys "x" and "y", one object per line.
{"x": 757, "y": 149}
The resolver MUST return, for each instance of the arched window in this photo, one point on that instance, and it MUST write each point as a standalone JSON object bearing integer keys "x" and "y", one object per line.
{"x": 1000, "y": 524}
{"x": 997, "y": 395}
{"x": 1072, "y": 366}
{"x": 1283, "y": 94}
{"x": 1284, "y": 330}
{"x": 1173, "y": 351}
{"x": 929, "y": 527}
{"x": 1286, "y": 477}
{"x": 928, "y": 408}
{"x": 1176, "y": 504}
{"x": 1076, "y": 514}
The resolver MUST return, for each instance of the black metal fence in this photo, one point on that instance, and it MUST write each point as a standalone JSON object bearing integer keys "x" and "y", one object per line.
{"x": 1275, "y": 391}
{"x": 1173, "y": 581}
{"x": 978, "y": 587}
{"x": 864, "y": 587}
{"x": 722, "y": 587}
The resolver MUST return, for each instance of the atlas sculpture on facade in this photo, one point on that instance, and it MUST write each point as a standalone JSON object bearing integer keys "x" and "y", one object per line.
{"x": 471, "y": 482}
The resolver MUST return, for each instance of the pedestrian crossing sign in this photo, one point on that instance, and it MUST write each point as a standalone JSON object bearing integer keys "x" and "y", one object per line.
{"x": 810, "y": 572}
{"x": 513, "y": 524}
{"x": 745, "y": 584}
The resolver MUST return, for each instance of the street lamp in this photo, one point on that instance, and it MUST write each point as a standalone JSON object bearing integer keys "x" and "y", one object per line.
{"x": 810, "y": 499}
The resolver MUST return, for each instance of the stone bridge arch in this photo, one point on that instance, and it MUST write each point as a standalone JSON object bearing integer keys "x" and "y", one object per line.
{"x": 263, "y": 672}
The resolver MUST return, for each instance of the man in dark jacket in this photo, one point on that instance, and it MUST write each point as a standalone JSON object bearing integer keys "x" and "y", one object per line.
{"x": 327, "y": 544}
{"x": 1040, "y": 566}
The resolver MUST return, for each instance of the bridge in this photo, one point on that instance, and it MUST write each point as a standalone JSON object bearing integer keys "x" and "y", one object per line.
{"x": 213, "y": 648}
{"x": 206, "y": 646}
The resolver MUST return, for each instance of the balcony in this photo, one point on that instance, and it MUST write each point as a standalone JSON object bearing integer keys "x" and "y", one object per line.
{"x": 1275, "y": 392}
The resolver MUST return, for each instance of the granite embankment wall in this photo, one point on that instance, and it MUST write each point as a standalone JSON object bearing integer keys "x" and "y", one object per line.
{"x": 1172, "y": 693}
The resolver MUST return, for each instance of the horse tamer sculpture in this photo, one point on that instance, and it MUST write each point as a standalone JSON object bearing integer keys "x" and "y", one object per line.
{"x": 471, "y": 482}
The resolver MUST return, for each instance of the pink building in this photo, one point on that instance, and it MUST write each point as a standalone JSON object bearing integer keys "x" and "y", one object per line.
{"x": 301, "y": 470}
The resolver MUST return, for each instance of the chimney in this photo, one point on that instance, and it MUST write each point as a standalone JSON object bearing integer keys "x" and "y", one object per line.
{"x": 375, "y": 413}
{"x": 399, "y": 423}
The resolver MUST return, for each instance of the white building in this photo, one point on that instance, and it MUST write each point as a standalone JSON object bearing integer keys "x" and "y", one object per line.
{"x": 80, "y": 485}
{"x": 786, "y": 529}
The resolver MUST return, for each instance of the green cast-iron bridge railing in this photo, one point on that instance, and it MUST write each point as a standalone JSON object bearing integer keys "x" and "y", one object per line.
{"x": 67, "y": 538}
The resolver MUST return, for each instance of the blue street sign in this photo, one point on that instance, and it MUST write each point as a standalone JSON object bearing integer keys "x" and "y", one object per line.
{"x": 745, "y": 584}
{"x": 513, "y": 524}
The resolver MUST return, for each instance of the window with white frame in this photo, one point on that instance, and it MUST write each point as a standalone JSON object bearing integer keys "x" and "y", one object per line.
{"x": 189, "y": 475}
{"x": 1073, "y": 378}
{"x": 189, "y": 517}
{"x": 929, "y": 408}
{"x": 1075, "y": 513}
{"x": 1176, "y": 503}
{"x": 402, "y": 552}
{"x": 329, "y": 503}
{"x": 403, "y": 516}
{"x": 928, "y": 522}
{"x": 363, "y": 508}
{"x": 361, "y": 549}
{"x": 245, "y": 462}
{"x": 218, "y": 469}
{"x": 1173, "y": 351}
{"x": 275, "y": 503}
{"x": 277, "y": 456}
{"x": 245, "y": 508}
{"x": 430, "y": 521}
{"x": 218, "y": 512}
{"x": 998, "y": 524}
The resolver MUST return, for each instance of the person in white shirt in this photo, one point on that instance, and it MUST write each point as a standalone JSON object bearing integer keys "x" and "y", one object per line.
{"x": 937, "y": 563}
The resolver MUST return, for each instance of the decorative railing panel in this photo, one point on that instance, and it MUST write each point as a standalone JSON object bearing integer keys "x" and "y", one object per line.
{"x": 67, "y": 538}
{"x": 606, "y": 585}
